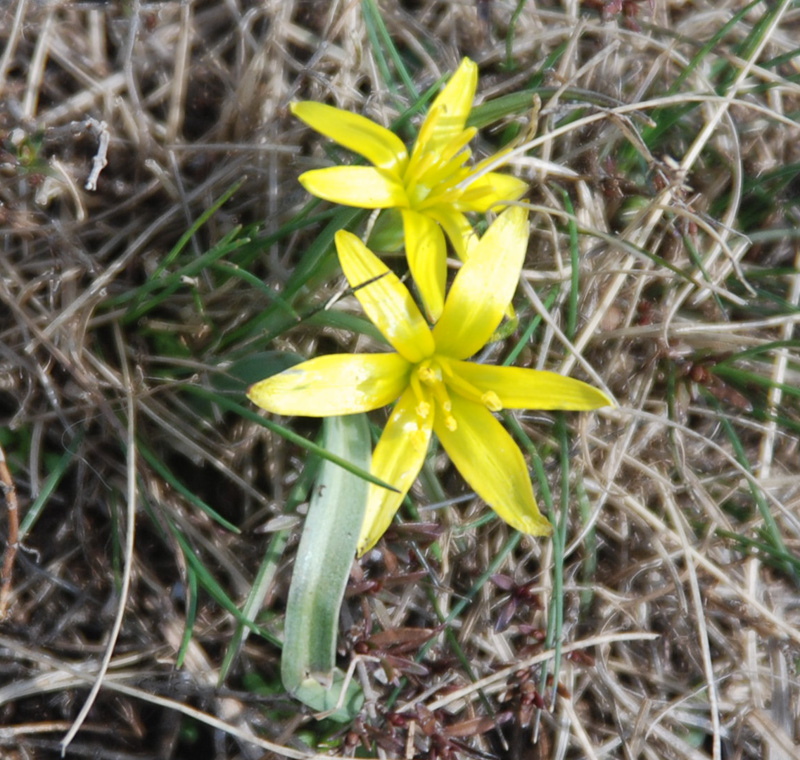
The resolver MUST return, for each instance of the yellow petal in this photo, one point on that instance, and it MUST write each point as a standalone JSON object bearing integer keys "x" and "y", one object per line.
{"x": 451, "y": 108}
{"x": 360, "y": 186}
{"x": 484, "y": 286}
{"x": 457, "y": 228}
{"x": 427, "y": 259}
{"x": 357, "y": 133}
{"x": 520, "y": 388}
{"x": 385, "y": 299}
{"x": 491, "y": 191}
{"x": 334, "y": 384}
{"x": 397, "y": 460}
{"x": 492, "y": 464}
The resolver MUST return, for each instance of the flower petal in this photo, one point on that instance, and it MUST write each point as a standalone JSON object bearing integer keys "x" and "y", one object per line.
{"x": 457, "y": 228}
{"x": 397, "y": 460}
{"x": 334, "y": 384}
{"x": 360, "y": 186}
{"x": 385, "y": 299}
{"x": 490, "y": 191}
{"x": 521, "y": 388}
{"x": 450, "y": 109}
{"x": 492, "y": 464}
{"x": 357, "y": 133}
{"x": 427, "y": 259}
{"x": 484, "y": 286}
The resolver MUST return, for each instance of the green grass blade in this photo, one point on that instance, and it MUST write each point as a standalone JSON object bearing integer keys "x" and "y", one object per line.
{"x": 527, "y": 334}
{"x": 729, "y": 26}
{"x": 590, "y": 544}
{"x": 249, "y": 414}
{"x": 184, "y": 239}
{"x": 150, "y": 457}
{"x": 274, "y": 321}
{"x": 555, "y": 635}
{"x": 512, "y": 25}
{"x": 765, "y": 551}
{"x": 53, "y": 479}
{"x": 381, "y": 40}
{"x": 191, "y": 616}
{"x": 772, "y": 532}
{"x": 575, "y": 261}
{"x": 212, "y": 586}
{"x": 194, "y": 562}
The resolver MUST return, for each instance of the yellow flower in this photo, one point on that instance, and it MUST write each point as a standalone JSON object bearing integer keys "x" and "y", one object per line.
{"x": 437, "y": 390}
{"x": 432, "y": 187}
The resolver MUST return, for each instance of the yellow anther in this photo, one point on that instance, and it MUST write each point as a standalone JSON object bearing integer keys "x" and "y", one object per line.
{"x": 491, "y": 401}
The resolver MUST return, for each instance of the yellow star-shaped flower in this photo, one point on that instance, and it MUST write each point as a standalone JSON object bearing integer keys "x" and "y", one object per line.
{"x": 438, "y": 390}
{"x": 432, "y": 188}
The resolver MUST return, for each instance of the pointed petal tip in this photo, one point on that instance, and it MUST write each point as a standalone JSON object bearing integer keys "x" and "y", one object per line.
{"x": 364, "y": 546}
{"x": 397, "y": 460}
{"x": 596, "y": 399}
{"x": 467, "y": 67}
{"x": 540, "y": 526}
{"x": 609, "y": 401}
{"x": 342, "y": 237}
{"x": 517, "y": 214}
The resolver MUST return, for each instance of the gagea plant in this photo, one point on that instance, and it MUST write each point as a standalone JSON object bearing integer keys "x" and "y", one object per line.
{"x": 427, "y": 377}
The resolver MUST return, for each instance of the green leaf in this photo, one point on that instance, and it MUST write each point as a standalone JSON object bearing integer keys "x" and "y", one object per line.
{"x": 269, "y": 567}
{"x": 321, "y": 570}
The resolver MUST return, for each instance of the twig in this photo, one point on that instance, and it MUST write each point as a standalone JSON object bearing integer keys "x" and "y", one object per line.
{"x": 10, "y": 495}
{"x": 100, "y": 160}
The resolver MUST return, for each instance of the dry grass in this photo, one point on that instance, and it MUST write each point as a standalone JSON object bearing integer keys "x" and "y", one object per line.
{"x": 674, "y": 584}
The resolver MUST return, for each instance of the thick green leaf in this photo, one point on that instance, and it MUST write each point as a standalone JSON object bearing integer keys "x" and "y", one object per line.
{"x": 321, "y": 570}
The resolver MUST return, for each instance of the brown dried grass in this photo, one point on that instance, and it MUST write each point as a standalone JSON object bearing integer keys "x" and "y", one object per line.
{"x": 192, "y": 96}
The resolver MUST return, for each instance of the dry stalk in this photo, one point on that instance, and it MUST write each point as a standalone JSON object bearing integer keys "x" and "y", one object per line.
{"x": 10, "y": 496}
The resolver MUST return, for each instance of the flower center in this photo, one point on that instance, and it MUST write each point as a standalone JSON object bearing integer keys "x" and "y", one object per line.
{"x": 433, "y": 176}
{"x": 428, "y": 384}
{"x": 432, "y": 381}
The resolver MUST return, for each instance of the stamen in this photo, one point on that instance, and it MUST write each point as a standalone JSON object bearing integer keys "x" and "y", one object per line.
{"x": 426, "y": 133}
{"x": 440, "y": 394}
{"x": 445, "y": 180}
{"x": 423, "y": 407}
{"x": 492, "y": 401}
{"x": 418, "y": 170}
{"x": 467, "y": 390}
{"x": 447, "y": 190}
{"x": 458, "y": 143}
